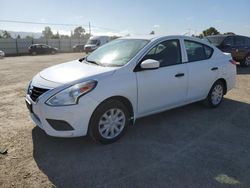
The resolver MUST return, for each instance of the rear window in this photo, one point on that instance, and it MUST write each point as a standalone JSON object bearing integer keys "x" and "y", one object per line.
{"x": 240, "y": 41}
{"x": 216, "y": 40}
{"x": 197, "y": 51}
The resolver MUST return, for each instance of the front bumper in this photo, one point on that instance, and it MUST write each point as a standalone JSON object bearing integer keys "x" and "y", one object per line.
{"x": 76, "y": 116}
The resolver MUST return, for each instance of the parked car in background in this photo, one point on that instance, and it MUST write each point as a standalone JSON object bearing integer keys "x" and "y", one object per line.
{"x": 95, "y": 42}
{"x": 42, "y": 49}
{"x": 2, "y": 54}
{"x": 124, "y": 80}
{"x": 238, "y": 46}
{"x": 78, "y": 48}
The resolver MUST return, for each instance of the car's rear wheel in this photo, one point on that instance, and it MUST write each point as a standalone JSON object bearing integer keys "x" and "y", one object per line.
{"x": 246, "y": 61}
{"x": 215, "y": 95}
{"x": 53, "y": 52}
{"x": 34, "y": 53}
{"x": 109, "y": 122}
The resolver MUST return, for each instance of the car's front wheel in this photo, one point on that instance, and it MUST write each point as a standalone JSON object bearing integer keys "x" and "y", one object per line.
{"x": 246, "y": 61}
{"x": 109, "y": 122}
{"x": 215, "y": 95}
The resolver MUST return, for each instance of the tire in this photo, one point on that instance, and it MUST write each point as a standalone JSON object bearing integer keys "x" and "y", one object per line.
{"x": 34, "y": 53}
{"x": 105, "y": 129}
{"x": 246, "y": 61}
{"x": 215, "y": 95}
{"x": 53, "y": 52}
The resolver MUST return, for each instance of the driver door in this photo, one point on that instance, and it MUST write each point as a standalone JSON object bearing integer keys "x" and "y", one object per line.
{"x": 166, "y": 86}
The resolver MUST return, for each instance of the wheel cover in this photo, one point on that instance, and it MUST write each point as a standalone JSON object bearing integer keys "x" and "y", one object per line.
{"x": 247, "y": 61}
{"x": 111, "y": 123}
{"x": 217, "y": 94}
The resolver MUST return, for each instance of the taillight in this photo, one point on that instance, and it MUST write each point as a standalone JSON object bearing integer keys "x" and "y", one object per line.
{"x": 233, "y": 62}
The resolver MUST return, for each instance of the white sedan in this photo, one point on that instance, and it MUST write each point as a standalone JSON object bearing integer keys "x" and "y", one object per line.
{"x": 128, "y": 78}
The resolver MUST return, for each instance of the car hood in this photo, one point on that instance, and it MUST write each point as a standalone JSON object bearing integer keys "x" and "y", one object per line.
{"x": 74, "y": 70}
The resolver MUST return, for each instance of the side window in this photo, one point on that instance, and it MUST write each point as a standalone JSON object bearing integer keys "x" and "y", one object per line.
{"x": 239, "y": 41}
{"x": 167, "y": 53}
{"x": 208, "y": 51}
{"x": 98, "y": 42}
{"x": 197, "y": 51}
{"x": 229, "y": 41}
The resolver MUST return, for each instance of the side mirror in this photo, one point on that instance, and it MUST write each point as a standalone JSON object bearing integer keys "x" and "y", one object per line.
{"x": 150, "y": 64}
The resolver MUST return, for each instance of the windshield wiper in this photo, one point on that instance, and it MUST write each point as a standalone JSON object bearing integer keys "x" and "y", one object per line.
{"x": 81, "y": 60}
{"x": 93, "y": 62}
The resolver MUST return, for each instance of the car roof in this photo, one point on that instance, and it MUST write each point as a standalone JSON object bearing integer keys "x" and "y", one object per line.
{"x": 221, "y": 35}
{"x": 158, "y": 37}
{"x": 39, "y": 44}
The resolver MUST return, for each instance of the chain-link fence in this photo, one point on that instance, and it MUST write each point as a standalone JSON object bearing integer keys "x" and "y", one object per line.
{"x": 20, "y": 46}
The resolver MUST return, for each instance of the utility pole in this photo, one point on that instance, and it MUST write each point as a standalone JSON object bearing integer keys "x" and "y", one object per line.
{"x": 89, "y": 29}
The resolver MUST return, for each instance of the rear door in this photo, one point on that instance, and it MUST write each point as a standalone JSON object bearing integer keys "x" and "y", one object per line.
{"x": 39, "y": 49}
{"x": 241, "y": 47}
{"x": 202, "y": 70}
{"x": 45, "y": 49}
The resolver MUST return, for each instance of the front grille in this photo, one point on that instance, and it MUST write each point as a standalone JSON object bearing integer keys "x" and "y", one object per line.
{"x": 35, "y": 92}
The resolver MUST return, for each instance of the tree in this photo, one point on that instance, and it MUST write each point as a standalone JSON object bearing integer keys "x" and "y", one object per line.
{"x": 64, "y": 36}
{"x": 56, "y": 36}
{"x": 6, "y": 34}
{"x": 152, "y": 33}
{"x": 47, "y": 33}
{"x": 79, "y": 32}
{"x": 29, "y": 37}
{"x": 18, "y": 36}
{"x": 210, "y": 31}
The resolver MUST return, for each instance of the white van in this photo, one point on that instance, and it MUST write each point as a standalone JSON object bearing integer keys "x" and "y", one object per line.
{"x": 95, "y": 42}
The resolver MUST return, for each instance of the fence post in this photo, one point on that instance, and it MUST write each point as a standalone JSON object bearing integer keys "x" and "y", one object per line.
{"x": 59, "y": 44}
{"x": 70, "y": 44}
{"x": 17, "y": 52}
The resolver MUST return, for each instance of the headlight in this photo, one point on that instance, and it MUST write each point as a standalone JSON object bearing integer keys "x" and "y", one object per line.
{"x": 71, "y": 95}
{"x": 28, "y": 88}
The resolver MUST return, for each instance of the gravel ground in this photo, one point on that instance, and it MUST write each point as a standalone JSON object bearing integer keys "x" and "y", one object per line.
{"x": 191, "y": 146}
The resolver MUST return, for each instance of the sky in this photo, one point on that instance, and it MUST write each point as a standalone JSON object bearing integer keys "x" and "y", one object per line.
{"x": 134, "y": 17}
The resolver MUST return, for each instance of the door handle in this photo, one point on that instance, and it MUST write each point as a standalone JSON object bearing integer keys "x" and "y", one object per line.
{"x": 214, "y": 68}
{"x": 179, "y": 75}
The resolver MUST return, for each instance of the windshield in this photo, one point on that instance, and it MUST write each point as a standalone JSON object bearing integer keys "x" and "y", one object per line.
{"x": 216, "y": 40}
{"x": 117, "y": 53}
{"x": 92, "y": 41}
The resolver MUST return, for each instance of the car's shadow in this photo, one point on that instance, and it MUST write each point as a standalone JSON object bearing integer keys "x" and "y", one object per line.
{"x": 170, "y": 148}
